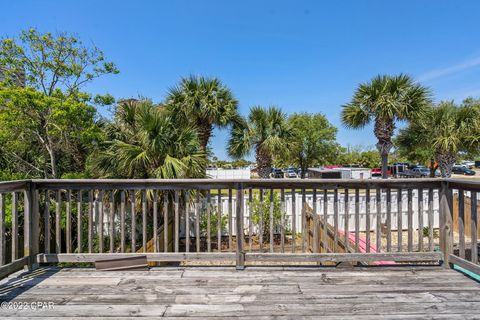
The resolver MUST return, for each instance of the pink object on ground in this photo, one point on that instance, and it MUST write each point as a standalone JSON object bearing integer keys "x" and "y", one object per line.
{"x": 362, "y": 246}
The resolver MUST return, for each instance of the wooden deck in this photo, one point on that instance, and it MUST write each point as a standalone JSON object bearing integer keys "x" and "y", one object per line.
{"x": 254, "y": 293}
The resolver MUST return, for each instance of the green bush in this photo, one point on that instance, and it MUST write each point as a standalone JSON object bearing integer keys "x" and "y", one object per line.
{"x": 277, "y": 211}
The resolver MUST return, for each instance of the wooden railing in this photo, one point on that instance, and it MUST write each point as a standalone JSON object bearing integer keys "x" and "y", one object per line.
{"x": 238, "y": 221}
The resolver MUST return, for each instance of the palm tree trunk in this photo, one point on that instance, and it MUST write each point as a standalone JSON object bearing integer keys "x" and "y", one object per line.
{"x": 445, "y": 160}
{"x": 204, "y": 134}
{"x": 384, "y": 131}
{"x": 264, "y": 162}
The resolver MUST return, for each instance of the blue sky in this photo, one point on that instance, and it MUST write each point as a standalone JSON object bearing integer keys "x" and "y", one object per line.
{"x": 299, "y": 55}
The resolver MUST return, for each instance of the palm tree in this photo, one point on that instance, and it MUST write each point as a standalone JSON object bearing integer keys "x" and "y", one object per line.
{"x": 143, "y": 141}
{"x": 205, "y": 103}
{"x": 385, "y": 100}
{"x": 266, "y": 131}
{"x": 450, "y": 130}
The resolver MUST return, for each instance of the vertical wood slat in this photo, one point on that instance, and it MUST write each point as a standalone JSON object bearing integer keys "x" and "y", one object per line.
{"x": 325, "y": 221}
{"x": 378, "y": 229}
{"x": 430, "y": 219}
{"x": 209, "y": 239}
{"x": 304, "y": 220}
{"x": 474, "y": 219}
{"x": 389, "y": 220}
{"x": 410, "y": 221}
{"x": 177, "y": 222}
{"x": 240, "y": 253}
{"x": 260, "y": 227}
{"x": 347, "y": 214}
{"x": 357, "y": 220}
{"x": 230, "y": 221}
{"x": 112, "y": 222}
{"x": 197, "y": 221}
{"x": 461, "y": 223}
{"x": 335, "y": 220}
{"x": 420, "y": 219}
{"x": 282, "y": 221}
{"x": 122, "y": 221}
{"x": 219, "y": 220}
{"x": 58, "y": 236}
{"x": 250, "y": 218}
{"x": 3, "y": 246}
{"x": 155, "y": 221}
{"x": 79, "y": 221}
{"x": 271, "y": 221}
{"x": 367, "y": 219}
{"x": 294, "y": 222}
{"x": 90, "y": 221}
{"x": 46, "y": 222}
{"x": 134, "y": 221}
{"x": 315, "y": 222}
{"x": 144, "y": 220}
{"x": 165, "y": 222}
{"x": 101, "y": 208}
{"x": 187, "y": 221}
{"x": 68, "y": 222}
{"x": 14, "y": 226}
{"x": 399, "y": 220}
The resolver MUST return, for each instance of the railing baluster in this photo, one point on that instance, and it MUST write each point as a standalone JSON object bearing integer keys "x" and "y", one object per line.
{"x": 367, "y": 219}
{"x": 230, "y": 221}
{"x": 410, "y": 221}
{"x": 219, "y": 220}
{"x": 112, "y": 222}
{"x": 430, "y": 219}
{"x": 304, "y": 220}
{"x": 177, "y": 222}
{"x": 335, "y": 220}
{"x": 315, "y": 221}
{"x": 144, "y": 220}
{"x": 46, "y": 222}
{"x": 325, "y": 221}
{"x": 420, "y": 219}
{"x": 14, "y": 226}
{"x": 101, "y": 207}
{"x": 282, "y": 220}
{"x": 357, "y": 220}
{"x": 3, "y": 246}
{"x": 197, "y": 221}
{"x": 122, "y": 221}
{"x": 389, "y": 220}
{"x": 165, "y": 222}
{"x": 90, "y": 221}
{"x": 155, "y": 221}
{"x": 187, "y": 221}
{"x": 473, "y": 230}
{"x": 79, "y": 221}
{"x": 58, "y": 236}
{"x": 271, "y": 221}
{"x": 240, "y": 254}
{"x": 378, "y": 229}
{"x": 294, "y": 222}
{"x": 399, "y": 220}
{"x": 260, "y": 227}
{"x": 209, "y": 206}
{"x": 68, "y": 222}
{"x": 461, "y": 223}
{"x": 134, "y": 221}
{"x": 347, "y": 213}
{"x": 250, "y": 218}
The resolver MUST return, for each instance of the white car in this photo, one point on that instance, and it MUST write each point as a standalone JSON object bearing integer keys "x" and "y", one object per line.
{"x": 468, "y": 164}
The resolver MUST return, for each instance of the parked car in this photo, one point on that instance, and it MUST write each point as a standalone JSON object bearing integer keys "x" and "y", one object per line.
{"x": 277, "y": 174}
{"x": 291, "y": 173}
{"x": 463, "y": 170}
{"x": 420, "y": 172}
{"x": 469, "y": 164}
{"x": 477, "y": 163}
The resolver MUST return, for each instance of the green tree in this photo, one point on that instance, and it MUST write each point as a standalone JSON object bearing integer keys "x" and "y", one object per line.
{"x": 266, "y": 131}
{"x": 313, "y": 140}
{"x": 359, "y": 156}
{"x": 204, "y": 103}
{"x": 446, "y": 130}
{"x": 51, "y": 115}
{"x": 384, "y": 101}
{"x": 261, "y": 211}
{"x": 143, "y": 141}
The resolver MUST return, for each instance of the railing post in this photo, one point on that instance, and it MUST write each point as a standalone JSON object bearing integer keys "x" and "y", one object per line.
{"x": 446, "y": 234}
{"x": 240, "y": 253}
{"x": 30, "y": 247}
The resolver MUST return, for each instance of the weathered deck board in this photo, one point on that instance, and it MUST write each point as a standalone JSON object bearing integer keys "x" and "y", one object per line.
{"x": 256, "y": 292}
